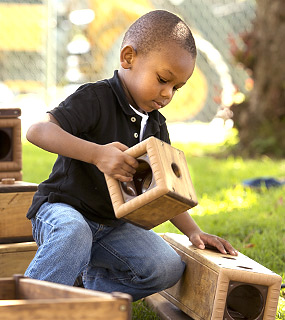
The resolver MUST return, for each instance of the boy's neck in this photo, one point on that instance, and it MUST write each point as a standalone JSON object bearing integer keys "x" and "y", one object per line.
{"x": 128, "y": 96}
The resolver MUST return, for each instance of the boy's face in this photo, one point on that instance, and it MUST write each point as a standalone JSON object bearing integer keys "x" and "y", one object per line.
{"x": 151, "y": 80}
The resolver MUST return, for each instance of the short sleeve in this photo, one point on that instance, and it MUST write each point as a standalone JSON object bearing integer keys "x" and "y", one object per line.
{"x": 80, "y": 112}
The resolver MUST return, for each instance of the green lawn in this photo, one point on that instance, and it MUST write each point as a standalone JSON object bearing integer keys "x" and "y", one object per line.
{"x": 252, "y": 220}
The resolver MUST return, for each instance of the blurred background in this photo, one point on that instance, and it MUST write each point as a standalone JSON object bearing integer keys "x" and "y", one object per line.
{"x": 49, "y": 47}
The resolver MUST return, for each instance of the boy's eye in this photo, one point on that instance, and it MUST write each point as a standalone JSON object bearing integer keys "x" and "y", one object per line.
{"x": 161, "y": 80}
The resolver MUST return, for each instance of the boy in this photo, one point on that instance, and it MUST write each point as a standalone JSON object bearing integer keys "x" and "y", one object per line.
{"x": 72, "y": 216}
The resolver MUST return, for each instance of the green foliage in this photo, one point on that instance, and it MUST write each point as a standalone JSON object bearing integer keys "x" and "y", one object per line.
{"x": 251, "y": 219}
{"x": 141, "y": 311}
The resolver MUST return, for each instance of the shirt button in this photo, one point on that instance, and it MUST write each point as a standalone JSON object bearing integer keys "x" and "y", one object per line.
{"x": 133, "y": 119}
{"x": 136, "y": 135}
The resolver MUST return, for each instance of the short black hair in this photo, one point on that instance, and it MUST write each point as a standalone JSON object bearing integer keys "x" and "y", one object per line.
{"x": 155, "y": 29}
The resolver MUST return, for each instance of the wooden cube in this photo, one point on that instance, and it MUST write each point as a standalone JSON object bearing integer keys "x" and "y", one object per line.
{"x": 28, "y": 299}
{"x": 161, "y": 188}
{"x": 219, "y": 286}
{"x": 16, "y": 257}
{"x": 15, "y": 200}
{"x": 10, "y": 145}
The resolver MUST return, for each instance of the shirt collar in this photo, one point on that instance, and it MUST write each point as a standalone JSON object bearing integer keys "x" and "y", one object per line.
{"x": 118, "y": 90}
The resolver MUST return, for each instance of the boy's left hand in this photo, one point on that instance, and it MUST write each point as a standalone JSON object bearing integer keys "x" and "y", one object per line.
{"x": 202, "y": 240}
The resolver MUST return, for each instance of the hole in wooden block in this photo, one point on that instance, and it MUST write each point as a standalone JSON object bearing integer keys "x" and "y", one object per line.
{"x": 176, "y": 170}
{"x": 6, "y": 150}
{"x": 143, "y": 180}
{"x": 245, "y": 301}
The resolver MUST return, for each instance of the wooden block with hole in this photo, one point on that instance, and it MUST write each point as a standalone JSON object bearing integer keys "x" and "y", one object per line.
{"x": 160, "y": 190}
{"x": 28, "y": 299}
{"x": 15, "y": 200}
{"x": 10, "y": 144}
{"x": 16, "y": 257}
{"x": 219, "y": 286}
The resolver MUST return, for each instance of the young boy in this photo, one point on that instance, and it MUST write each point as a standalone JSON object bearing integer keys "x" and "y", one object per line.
{"x": 72, "y": 216}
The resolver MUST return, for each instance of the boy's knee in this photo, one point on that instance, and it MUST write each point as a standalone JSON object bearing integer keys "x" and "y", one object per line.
{"x": 167, "y": 273}
{"x": 77, "y": 234}
{"x": 172, "y": 271}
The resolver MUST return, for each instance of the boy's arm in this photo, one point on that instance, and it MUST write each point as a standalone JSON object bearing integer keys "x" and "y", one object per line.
{"x": 109, "y": 158}
{"x": 200, "y": 239}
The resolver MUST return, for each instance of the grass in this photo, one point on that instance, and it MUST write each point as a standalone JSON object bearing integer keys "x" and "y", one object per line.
{"x": 252, "y": 220}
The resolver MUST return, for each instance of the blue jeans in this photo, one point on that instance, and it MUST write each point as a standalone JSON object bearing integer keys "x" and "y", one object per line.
{"x": 125, "y": 258}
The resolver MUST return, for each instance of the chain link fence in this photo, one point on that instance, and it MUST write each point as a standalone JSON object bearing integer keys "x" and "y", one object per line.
{"x": 50, "y": 47}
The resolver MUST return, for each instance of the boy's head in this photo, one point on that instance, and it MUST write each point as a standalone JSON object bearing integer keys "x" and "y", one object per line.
{"x": 157, "y": 57}
{"x": 157, "y": 29}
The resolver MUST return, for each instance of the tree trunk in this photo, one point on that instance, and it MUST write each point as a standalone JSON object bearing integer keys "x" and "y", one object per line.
{"x": 261, "y": 123}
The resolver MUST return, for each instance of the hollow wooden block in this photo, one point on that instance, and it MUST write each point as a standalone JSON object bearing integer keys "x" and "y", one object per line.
{"x": 15, "y": 200}
{"x": 10, "y": 145}
{"x": 28, "y": 299}
{"x": 161, "y": 188}
{"x": 16, "y": 257}
{"x": 219, "y": 286}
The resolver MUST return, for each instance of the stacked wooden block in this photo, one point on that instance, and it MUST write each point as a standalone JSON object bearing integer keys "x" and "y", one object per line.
{"x": 10, "y": 144}
{"x": 17, "y": 247}
{"x": 16, "y": 241}
{"x": 23, "y": 298}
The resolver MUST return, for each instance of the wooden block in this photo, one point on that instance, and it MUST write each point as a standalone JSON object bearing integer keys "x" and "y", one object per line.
{"x": 161, "y": 188}
{"x": 16, "y": 257}
{"x": 218, "y": 286}
{"x": 28, "y": 299}
{"x": 164, "y": 308}
{"x": 15, "y": 200}
{"x": 10, "y": 145}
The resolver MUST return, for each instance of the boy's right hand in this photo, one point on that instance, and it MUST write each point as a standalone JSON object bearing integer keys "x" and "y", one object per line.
{"x": 113, "y": 161}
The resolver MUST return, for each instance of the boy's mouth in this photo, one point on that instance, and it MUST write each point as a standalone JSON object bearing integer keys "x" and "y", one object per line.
{"x": 158, "y": 105}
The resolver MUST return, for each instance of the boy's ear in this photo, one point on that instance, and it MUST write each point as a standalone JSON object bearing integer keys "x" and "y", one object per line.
{"x": 127, "y": 56}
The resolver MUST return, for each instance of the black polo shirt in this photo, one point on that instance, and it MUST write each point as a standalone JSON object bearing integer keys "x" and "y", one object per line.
{"x": 97, "y": 112}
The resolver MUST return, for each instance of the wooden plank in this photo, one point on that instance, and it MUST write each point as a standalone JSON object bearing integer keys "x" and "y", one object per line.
{"x": 18, "y": 247}
{"x": 165, "y": 309}
{"x": 13, "y": 222}
{"x": 35, "y": 289}
{"x": 16, "y": 257}
{"x": 7, "y": 288}
{"x": 18, "y": 186}
{"x": 49, "y": 301}
{"x": 74, "y": 309}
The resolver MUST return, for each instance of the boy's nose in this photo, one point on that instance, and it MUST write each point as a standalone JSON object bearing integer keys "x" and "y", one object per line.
{"x": 167, "y": 92}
